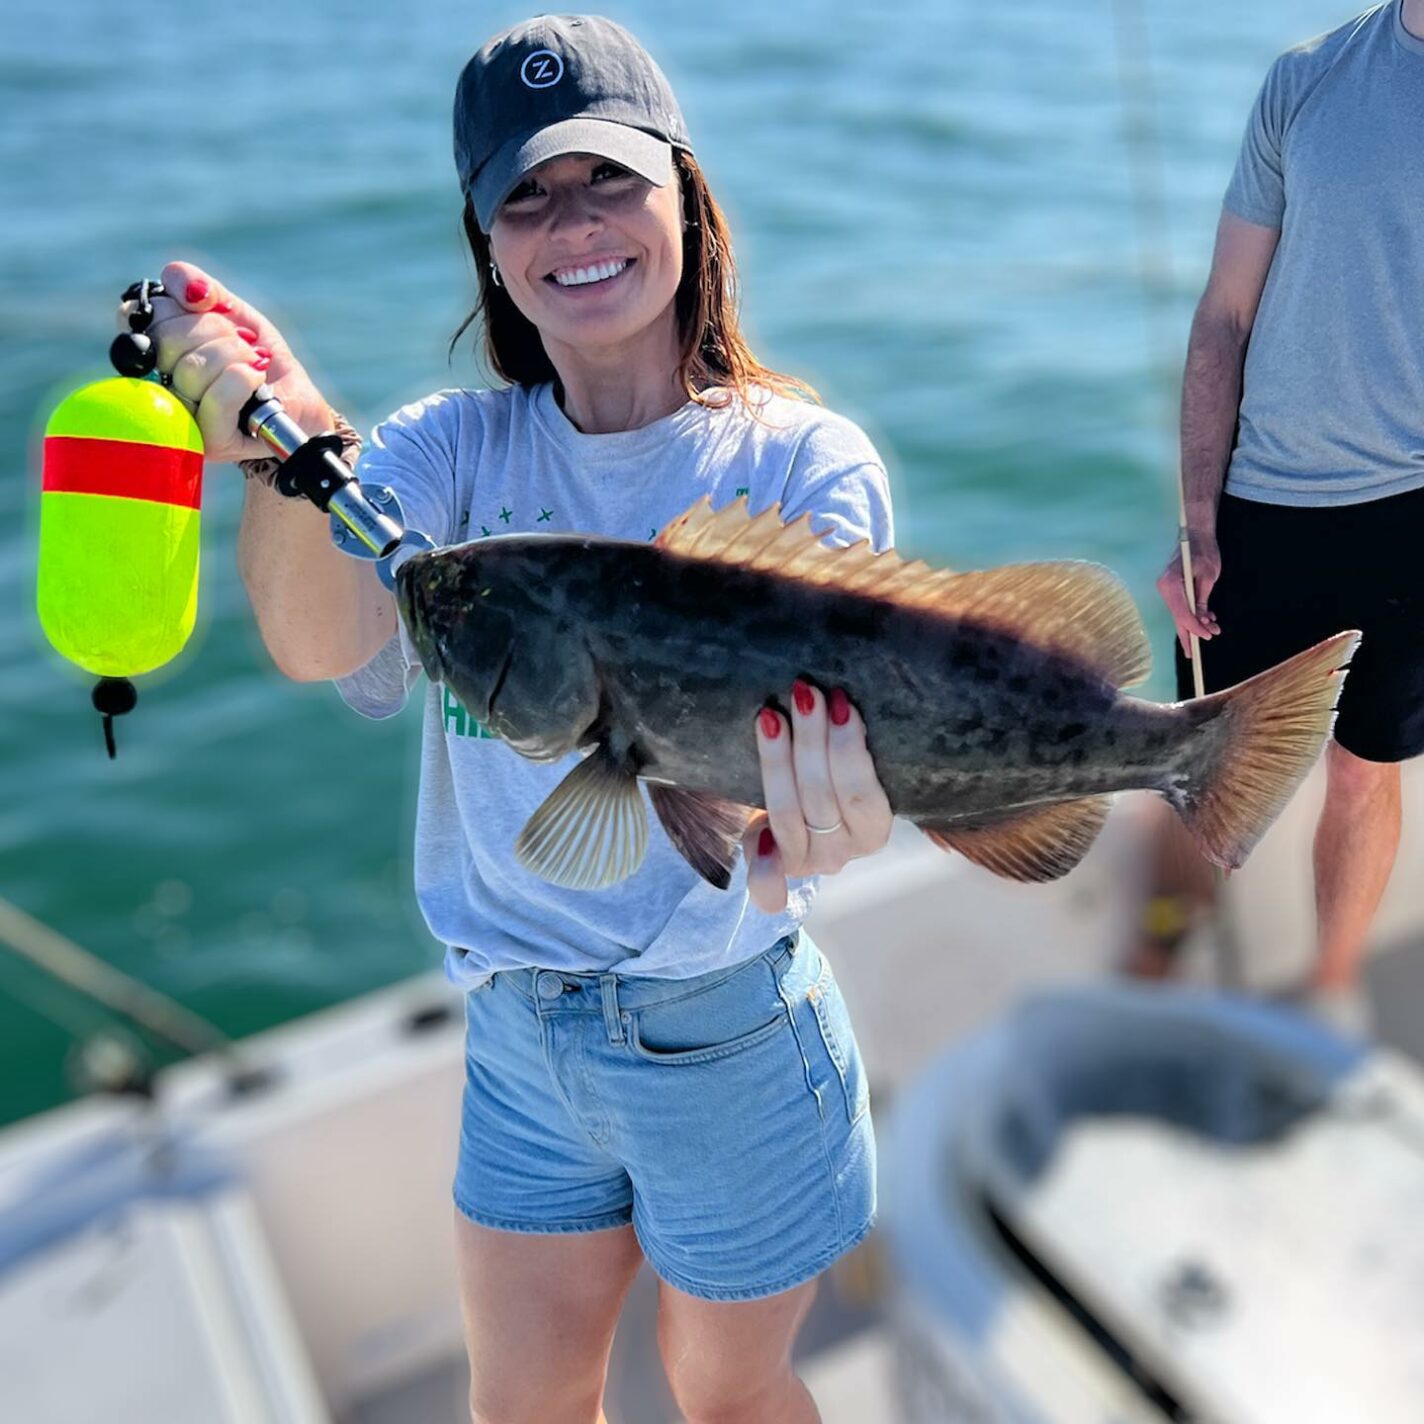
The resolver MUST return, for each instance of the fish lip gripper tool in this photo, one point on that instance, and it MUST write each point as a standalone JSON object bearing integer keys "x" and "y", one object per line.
{"x": 367, "y": 521}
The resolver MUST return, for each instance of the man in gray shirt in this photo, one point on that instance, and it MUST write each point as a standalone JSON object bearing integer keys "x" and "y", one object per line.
{"x": 1304, "y": 393}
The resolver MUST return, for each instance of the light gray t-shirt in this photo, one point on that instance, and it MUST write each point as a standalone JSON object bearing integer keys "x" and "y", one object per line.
{"x": 470, "y": 464}
{"x": 1332, "y": 409}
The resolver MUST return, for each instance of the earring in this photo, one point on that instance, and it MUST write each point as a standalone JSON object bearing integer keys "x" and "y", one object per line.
{"x": 494, "y": 275}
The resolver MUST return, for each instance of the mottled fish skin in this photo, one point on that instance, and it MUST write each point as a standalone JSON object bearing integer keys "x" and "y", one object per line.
{"x": 558, "y": 642}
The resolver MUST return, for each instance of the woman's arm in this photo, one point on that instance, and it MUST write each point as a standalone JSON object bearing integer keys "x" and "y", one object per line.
{"x": 321, "y": 613}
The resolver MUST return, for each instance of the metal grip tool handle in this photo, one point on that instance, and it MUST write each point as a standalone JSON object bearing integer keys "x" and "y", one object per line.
{"x": 311, "y": 466}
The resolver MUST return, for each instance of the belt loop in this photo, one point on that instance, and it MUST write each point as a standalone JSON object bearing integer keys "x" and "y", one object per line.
{"x": 608, "y": 983}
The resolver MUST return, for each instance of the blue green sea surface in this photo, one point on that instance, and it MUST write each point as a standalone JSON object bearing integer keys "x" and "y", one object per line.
{"x": 935, "y": 208}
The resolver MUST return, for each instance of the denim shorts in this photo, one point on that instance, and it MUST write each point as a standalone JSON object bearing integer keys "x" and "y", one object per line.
{"x": 725, "y": 1116}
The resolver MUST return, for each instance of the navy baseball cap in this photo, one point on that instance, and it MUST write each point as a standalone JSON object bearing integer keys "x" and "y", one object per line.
{"x": 560, "y": 84}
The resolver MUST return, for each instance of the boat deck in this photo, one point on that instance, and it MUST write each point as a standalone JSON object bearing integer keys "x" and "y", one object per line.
{"x": 844, "y": 1354}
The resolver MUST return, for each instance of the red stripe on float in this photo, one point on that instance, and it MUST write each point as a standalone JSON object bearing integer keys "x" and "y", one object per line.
{"x": 127, "y": 469}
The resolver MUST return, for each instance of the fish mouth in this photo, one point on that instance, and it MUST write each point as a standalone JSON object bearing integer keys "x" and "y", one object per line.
{"x": 412, "y": 594}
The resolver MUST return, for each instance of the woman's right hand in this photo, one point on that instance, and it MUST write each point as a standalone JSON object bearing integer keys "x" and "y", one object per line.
{"x": 1206, "y": 569}
{"x": 218, "y": 350}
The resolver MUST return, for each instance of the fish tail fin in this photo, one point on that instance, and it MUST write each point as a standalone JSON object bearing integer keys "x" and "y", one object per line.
{"x": 1266, "y": 735}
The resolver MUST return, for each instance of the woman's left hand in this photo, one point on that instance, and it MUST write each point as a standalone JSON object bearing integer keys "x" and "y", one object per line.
{"x": 815, "y": 771}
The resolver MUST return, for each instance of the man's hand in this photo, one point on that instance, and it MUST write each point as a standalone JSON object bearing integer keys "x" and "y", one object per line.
{"x": 815, "y": 771}
{"x": 1206, "y": 569}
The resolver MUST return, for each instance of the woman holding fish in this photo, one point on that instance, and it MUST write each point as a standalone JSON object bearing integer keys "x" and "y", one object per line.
{"x": 662, "y": 1067}
{"x": 630, "y": 590}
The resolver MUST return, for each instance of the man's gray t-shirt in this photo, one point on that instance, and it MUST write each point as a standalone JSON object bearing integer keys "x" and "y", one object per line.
{"x": 1332, "y": 408}
{"x": 472, "y": 464}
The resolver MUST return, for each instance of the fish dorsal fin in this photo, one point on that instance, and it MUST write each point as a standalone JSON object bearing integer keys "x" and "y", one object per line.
{"x": 1037, "y": 844}
{"x": 1077, "y": 609}
{"x": 762, "y": 541}
{"x": 591, "y": 830}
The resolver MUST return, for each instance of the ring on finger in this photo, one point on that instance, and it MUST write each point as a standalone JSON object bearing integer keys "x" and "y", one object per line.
{"x": 824, "y": 830}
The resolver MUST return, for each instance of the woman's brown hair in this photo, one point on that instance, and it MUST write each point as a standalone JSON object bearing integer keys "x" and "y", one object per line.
{"x": 713, "y": 350}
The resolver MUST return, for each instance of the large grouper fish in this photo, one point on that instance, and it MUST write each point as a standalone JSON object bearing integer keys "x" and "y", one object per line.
{"x": 991, "y": 699}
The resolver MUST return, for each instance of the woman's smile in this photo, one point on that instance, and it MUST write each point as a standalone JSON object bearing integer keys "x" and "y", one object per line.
{"x": 583, "y": 279}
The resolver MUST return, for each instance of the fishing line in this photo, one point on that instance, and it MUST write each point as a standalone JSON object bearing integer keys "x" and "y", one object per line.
{"x": 1147, "y": 170}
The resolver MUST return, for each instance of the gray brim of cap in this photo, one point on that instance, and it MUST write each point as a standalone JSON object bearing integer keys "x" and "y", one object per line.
{"x": 645, "y": 154}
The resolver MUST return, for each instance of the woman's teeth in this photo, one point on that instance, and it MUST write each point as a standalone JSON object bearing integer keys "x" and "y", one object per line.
{"x": 580, "y": 276}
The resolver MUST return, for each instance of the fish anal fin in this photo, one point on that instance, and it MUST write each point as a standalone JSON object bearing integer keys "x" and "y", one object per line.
{"x": 1037, "y": 844}
{"x": 706, "y": 829}
{"x": 591, "y": 831}
{"x": 1070, "y": 607}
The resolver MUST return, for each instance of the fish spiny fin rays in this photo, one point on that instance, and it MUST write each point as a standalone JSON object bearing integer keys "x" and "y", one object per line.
{"x": 732, "y": 536}
{"x": 1272, "y": 728}
{"x": 1076, "y": 609}
{"x": 1041, "y": 843}
{"x": 591, "y": 830}
{"x": 706, "y": 830}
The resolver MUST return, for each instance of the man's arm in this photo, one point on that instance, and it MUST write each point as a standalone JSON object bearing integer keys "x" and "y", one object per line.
{"x": 1211, "y": 401}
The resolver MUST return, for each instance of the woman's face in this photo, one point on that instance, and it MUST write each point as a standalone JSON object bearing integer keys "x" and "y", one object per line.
{"x": 581, "y": 217}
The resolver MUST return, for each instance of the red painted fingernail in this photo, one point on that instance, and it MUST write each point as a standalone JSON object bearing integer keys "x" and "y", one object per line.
{"x": 770, "y": 722}
{"x": 247, "y": 334}
{"x": 262, "y": 351}
{"x": 196, "y": 290}
{"x": 766, "y": 842}
{"x": 840, "y": 706}
{"x": 805, "y": 698}
{"x": 261, "y": 363}
{"x": 222, "y": 308}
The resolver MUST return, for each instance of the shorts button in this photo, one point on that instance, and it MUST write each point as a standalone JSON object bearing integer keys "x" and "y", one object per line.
{"x": 550, "y": 986}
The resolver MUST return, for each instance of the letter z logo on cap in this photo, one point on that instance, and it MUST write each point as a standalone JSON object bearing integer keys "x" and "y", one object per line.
{"x": 541, "y": 69}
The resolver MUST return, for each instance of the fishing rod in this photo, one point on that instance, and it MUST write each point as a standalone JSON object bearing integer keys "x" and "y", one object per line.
{"x": 119, "y": 505}
{"x": 1152, "y": 231}
{"x": 1153, "y": 237}
{"x": 131, "y": 998}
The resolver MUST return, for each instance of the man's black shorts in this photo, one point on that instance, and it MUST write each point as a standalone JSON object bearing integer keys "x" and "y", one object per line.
{"x": 1291, "y": 576}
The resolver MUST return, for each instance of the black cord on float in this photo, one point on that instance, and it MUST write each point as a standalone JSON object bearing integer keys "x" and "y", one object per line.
{"x": 112, "y": 697}
{"x": 131, "y": 353}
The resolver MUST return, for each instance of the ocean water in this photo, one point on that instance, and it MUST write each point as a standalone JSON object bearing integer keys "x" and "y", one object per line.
{"x": 934, "y": 212}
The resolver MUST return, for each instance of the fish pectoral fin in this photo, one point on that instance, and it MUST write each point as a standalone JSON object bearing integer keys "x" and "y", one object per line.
{"x": 1038, "y": 844}
{"x": 591, "y": 830}
{"x": 706, "y": 829}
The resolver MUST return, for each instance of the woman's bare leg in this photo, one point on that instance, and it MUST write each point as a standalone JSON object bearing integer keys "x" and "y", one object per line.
{"x": 729, "y": 1362}
{"x": 540, "y": 1311}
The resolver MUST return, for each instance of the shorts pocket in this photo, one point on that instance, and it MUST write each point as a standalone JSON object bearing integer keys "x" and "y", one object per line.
{"x": 833, "y": 1021}
{"x": 700, "y": 1053}
{"x": 745, "y": 1009}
